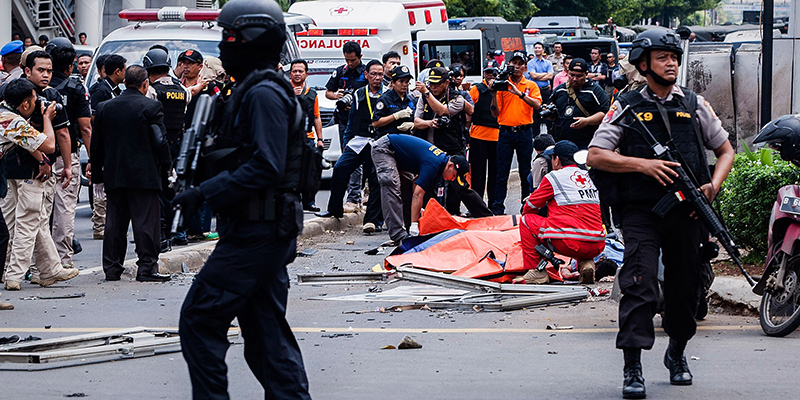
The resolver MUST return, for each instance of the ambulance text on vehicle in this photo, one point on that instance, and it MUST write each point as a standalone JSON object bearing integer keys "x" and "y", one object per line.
{"x": 378, "y": 26}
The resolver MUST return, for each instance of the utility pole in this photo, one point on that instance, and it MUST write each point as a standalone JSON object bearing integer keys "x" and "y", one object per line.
{"x": 766, "y": 61}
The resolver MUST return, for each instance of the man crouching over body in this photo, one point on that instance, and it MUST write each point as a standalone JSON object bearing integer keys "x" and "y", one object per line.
{"x": 573, "y": 225}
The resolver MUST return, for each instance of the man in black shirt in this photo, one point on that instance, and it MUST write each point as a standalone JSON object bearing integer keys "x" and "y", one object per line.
{"x": 125, "y": 158}
{"x": 347, "y": 78}
{"x": 581, "y": 104}
{"x": 80, "y": 115}
{"x": 357, "y": 151}
{"x": 394, "y": 112}
{"x": 108, "y": 87}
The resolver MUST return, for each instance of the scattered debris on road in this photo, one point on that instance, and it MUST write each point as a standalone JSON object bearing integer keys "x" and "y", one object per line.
{"x": 556, "y": 327}
{"x": 66, "y": 296}
{"x": 409, "y": 343}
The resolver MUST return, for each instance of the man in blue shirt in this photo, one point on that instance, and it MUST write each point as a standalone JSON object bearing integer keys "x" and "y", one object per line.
{"x": 400, "y": 152}
{"x": 540, "y": 70}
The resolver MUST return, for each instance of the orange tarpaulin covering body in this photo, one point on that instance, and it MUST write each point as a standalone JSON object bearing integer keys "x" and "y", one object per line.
{"x": 436, "y": 219}
{"x": 468, "y": 253}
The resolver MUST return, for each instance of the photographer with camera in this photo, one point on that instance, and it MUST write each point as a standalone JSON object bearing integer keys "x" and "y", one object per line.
{"x": 577, "y": 106}
{"x": 483, "y": 136}
{"x": 514, "y": 101}
{"x": 344, "y": 80}
{"x": 440, "y": 119}
{"x": 23, "y": 203}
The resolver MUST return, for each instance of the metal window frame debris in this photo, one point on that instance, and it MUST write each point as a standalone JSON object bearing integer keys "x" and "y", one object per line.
{"x": 457, "y": 282}
{"x": 339, "y": 278}
{"x": 91, "y": 348}
{"x": 492, "y": 296}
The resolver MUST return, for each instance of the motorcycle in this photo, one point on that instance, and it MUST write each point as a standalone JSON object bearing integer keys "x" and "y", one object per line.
{"x": 780, "y": 283}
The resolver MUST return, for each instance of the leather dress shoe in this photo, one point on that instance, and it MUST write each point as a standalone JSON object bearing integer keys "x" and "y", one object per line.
{"x": 112, "y": 278}
{"x": 328, "y": 214}
{"x": 633, "y": 385}
{"x": 311, "y": 207}
{"x": 153, "y": 278}
{"x": 678, "y": 370}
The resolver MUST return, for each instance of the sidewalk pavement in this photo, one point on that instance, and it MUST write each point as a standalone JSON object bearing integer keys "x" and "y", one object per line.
{"x": 194, "y": 256}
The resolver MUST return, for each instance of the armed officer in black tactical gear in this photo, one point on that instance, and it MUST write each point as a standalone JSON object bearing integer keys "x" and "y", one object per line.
{"x": 685, "y": 122}
{"x": 173, "y": 98}
{"x": 79, "y": 111}
{"x": 256, "y": 195}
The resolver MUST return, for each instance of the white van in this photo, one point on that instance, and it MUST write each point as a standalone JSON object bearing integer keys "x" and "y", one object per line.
{"x": 378, "y": 26}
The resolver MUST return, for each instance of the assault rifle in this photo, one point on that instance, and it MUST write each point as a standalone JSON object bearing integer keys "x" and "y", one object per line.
{"x": 191, "y": 146}
{"x": 547, "y": 256}
{"x": 683, "y": 188}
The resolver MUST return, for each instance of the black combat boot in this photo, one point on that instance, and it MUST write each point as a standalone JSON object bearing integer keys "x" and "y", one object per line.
{"x": 675, "y": 361}
{"x": 633, "y": 385}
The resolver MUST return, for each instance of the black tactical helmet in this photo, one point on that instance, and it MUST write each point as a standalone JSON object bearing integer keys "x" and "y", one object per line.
{"x": 57, "y": 43}
{"x": 156, "y": 58}
{"x": 783, "y": 134}
{"x": 249, "y": 20}
{"x": 654, "y": 39}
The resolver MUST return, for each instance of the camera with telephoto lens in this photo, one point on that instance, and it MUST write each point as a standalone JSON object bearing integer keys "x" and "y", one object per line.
{"x": 47, "y": 103}
{"x": 549, "y": 111}
{"x": 501, "y": 83}
{"x": 442, "y": 121}
{"x": 346, "y": 100}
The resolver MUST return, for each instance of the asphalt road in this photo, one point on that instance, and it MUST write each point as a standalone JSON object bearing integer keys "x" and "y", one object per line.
{"x": 465, "y": 355}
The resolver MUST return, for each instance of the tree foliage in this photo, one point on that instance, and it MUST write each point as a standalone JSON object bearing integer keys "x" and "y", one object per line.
{"x": 511, "y": 10}
{"x": 625, "y": 12}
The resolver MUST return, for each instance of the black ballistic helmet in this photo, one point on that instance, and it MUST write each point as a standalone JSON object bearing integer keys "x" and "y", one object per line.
{"x": 654, "y": 39}
{"x": 58, "y": 43}
{"x": 252, "y": 20}
{"x": 156, "y": 58}
{"x": 783, "y": 134}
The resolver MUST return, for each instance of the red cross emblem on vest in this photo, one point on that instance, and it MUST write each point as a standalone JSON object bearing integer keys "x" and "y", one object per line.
{"x": 579, "y": 180}
{"x": 341, "y": 10}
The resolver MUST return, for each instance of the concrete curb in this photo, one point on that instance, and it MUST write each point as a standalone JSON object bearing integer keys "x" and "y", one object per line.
{"x": 195, "y": 256}
{"x": 734, "y": 294}
{"x": 318, "y": 226}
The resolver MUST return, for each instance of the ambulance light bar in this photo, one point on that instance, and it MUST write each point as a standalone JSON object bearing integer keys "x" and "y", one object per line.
{"x": 169, "y": 14}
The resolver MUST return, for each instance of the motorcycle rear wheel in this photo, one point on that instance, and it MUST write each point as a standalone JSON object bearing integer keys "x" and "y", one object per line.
{"x": 780, "y": 310}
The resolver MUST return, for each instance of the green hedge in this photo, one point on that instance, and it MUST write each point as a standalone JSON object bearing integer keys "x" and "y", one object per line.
{"x": 747, "y": 196}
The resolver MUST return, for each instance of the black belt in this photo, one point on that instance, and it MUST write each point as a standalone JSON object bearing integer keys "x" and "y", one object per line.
{"x": 517, "y": 128}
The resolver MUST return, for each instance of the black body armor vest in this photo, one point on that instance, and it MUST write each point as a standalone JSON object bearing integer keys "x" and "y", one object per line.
{"x": 637, "y": 187}
{"x": 173, "y": 100}
{"x": 483, "y": 108}
{"x": 306, "y": 101}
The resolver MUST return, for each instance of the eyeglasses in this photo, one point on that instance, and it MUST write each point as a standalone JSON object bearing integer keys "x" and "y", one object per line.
{"x": 375, "y": 74}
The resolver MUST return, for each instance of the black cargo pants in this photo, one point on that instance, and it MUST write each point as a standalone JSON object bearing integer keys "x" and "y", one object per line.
{"x": 646, "y": 234}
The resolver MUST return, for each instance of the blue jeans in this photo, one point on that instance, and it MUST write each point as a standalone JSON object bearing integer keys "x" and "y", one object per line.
{"x": 354, "y": 184}
{"x": 509, "y": 141}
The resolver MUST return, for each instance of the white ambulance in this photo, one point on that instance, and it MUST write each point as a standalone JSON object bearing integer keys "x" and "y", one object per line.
{"x": 378, "y": 26}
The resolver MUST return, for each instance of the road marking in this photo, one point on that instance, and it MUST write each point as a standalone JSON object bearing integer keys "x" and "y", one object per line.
{"x": 398, "y": 330}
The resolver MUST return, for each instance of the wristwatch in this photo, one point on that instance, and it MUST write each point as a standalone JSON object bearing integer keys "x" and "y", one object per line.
{"x": 522, "y": 96}
{"x": 426, "y": 94}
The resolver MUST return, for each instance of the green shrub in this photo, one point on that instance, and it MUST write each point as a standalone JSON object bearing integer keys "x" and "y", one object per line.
{"x": 747, "y": 196}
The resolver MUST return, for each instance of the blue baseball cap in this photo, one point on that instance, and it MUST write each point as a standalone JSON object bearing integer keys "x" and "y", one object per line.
{"x": 12, "y": 47}
{"x": 563, "y": 148}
